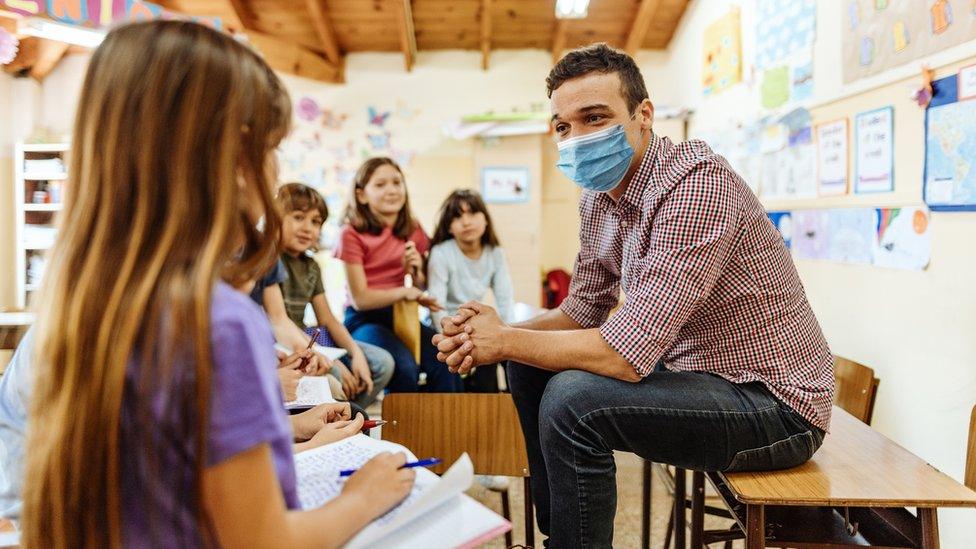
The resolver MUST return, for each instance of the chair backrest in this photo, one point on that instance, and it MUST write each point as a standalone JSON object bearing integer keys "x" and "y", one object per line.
{"x": 485, "y": 425}
{"x": 971, "y": 453}
{"x": 856, "y": 388}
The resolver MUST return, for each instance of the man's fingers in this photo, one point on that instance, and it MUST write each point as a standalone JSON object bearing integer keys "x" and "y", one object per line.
{"x": 449, "y": 344}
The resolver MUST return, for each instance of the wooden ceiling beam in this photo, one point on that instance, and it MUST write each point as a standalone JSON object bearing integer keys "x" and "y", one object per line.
{"x": 485, "y": 33}
{"x": 326, "y": 31}
{"x": 291, "y": 58}
{"x": 244, "y": 14}
{"x": 559, "y": 40}
{"x": 49, "y": 54}
{"x": 642, "y": 22}
{"x": 408, "y": 34}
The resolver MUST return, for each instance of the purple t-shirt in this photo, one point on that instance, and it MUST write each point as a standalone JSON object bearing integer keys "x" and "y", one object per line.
{"x": 245, "y": 411}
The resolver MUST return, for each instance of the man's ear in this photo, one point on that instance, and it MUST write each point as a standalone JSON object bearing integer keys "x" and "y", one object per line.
{"x": 646, "y": 112}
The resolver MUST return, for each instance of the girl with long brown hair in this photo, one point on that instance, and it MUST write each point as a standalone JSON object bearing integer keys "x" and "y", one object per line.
{"x": 156, "y": 418}
{"x": 380, "y": 244}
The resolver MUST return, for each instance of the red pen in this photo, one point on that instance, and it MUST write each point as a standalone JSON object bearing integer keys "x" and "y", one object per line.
{"x": 311, "y": 342}
{"x": 370, "y": 423}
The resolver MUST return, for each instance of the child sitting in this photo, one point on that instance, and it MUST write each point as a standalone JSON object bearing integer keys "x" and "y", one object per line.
{"x": 304, "y": 211}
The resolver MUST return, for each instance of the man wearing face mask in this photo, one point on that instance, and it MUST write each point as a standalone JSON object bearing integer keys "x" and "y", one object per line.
{"x": 714, "y": 361}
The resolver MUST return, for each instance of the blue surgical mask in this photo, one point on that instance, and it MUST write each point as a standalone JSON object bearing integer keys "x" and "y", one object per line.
{"x": 596, "y": 161}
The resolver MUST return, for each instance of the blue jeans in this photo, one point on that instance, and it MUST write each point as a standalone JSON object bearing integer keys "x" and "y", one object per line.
{"x": 573, "y": 421}
{"x": 376, "y": 327}
{"x": 379, "y": 361}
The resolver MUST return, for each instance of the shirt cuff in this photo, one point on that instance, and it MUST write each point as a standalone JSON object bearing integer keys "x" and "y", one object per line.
{"x": 585, "y": 314}
{"x": 623, "y": 333}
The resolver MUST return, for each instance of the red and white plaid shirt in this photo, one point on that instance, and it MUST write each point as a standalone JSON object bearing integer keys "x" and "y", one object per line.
{"x": 709, "y": 283}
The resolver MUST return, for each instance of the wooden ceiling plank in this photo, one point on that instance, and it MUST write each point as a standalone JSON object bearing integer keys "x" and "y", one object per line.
{"x": 559, "y": 40}
{"x": 325, "y": 30}
{"x": 408, "y": 36}
{"x": 244, "y": 14}
{"x": 638, "y": 32}
{"x": 485, "y": 33}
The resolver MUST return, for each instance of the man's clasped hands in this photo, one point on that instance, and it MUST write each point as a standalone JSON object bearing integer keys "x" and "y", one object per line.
{"x": 473, "y": 337}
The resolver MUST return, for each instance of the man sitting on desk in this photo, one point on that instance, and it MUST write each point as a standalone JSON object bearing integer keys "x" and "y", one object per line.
{"x": 714, "y": 362}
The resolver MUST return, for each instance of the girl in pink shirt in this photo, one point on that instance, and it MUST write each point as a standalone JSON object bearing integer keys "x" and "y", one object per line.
{"x": 380, "y": 244}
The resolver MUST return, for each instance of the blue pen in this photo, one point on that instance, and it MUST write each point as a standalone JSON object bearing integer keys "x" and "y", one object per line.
{"x": 429, "y": 462}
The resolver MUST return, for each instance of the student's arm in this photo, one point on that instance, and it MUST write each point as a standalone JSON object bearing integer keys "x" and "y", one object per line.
{"x": 365, "y": 298}
{"x": 437, "y": 281}
{"x": 286, "y": 332}
{"x": 253, "y": 513}
{"x": 342, "y": 338}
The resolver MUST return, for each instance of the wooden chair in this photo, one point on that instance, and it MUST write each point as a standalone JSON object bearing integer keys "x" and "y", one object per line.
{"x": 856, "y": 388}
{"x": 971, "y": 453}
{"x": 485, "y": 425}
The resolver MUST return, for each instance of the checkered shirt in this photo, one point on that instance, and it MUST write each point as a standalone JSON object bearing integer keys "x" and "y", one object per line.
{"x": 708, "y": 282}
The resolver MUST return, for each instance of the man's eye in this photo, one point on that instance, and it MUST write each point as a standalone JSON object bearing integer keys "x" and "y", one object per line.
{"x": 594, "y": 118}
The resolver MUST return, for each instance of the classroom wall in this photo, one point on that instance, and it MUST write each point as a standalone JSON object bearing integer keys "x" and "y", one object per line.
{"x": 916, "y": 329}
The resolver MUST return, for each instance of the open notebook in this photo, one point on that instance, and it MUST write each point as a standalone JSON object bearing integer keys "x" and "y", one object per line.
{"x": 331, "y": 353}
{"x": 311, "y": 391}
{"x": 436, "y": 513}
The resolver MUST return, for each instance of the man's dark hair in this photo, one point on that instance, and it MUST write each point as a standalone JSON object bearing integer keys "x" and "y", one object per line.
{"x": 600, "y": 58}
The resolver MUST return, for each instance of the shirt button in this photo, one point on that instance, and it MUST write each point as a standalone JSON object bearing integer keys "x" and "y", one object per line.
{"x": 624, "y": 224}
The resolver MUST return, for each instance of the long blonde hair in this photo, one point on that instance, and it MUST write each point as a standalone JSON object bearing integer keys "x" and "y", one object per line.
{"x": 171, "y": 162}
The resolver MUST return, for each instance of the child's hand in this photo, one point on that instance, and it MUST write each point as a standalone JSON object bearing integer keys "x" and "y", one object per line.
{"x": 423, "y": 298}
{"x": 360, "y": 369}
{"x": 350, "y": 385}
{"x": 380, "y": 484}
{"x": 309, "y": 422}
{"x": 334, "y": 432}
{"x": 413, "y": 262}
{"x": 289, "y": 378}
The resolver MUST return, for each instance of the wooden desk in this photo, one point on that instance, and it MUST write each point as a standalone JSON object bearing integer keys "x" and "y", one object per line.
{"x": 12, "y": 328}
{"x": 858, "y": 472}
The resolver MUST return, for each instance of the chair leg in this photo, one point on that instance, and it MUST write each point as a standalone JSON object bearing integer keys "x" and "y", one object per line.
{"x": 697, "y": 508}
{"x": 670, "y": 530}
{"x": 529, "y": 518}
{"x": 507, "y": 513}
{"x": 679, "y": 508}
{"x": 646, "y": 506}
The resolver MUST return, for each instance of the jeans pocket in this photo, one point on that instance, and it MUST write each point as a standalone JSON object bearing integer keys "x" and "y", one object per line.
{"x": 781, "y": 454}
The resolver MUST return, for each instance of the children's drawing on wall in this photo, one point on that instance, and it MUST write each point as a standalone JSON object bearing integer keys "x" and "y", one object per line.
{"x": 722, "y": 54}
{"x": 875, "y": 40}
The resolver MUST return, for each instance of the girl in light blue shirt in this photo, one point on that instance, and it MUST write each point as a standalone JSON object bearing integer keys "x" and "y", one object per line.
{"x": 466, "y": 259}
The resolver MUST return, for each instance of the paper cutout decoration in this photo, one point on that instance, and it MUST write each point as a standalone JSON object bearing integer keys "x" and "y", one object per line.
{"x": 941, "y": 14}
{"x": 8, "y": 47}
{"x": 900, "y": 36}
{"x": 722, "y": 54}
{"x": 307, "y": 109}
{"x": 377, "y": 118}
{"x": 775, "y": 90}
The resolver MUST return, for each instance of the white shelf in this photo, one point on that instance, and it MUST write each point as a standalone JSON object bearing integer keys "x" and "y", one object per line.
{"x": 43, "y": 207}
{"x": 45, "y": 147}
{"x": 45, "y": 176}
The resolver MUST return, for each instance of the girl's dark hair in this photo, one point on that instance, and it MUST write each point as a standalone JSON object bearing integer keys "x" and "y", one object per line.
{"x": 452, "y": 208}
{"x": 363, "y": 220}
{"x": 301, "y": 197}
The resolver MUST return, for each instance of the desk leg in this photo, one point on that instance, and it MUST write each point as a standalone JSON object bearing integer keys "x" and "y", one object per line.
{"x": 755, "y": 527}
{"x": 929, "y": 518}
{"x": 646, "y": 506}
{"x": 679, "y": 508}
{"x": 697, "y": 508}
